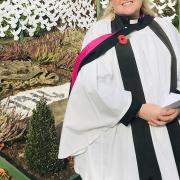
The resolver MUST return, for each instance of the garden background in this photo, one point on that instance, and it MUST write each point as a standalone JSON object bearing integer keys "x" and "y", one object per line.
{"x": 39, "y": 40}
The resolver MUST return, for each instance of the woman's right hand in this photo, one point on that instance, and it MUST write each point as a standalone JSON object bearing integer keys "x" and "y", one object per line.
{"x": 157, "y": 115}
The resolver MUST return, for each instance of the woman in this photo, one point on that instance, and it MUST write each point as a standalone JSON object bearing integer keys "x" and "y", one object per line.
{"x": 115, "y": 127}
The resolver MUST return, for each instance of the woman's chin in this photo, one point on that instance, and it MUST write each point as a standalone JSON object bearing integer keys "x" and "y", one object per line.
{"x": 131, "y": 14}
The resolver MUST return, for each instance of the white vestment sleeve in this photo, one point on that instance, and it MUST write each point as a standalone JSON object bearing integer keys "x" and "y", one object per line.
{"x": 94, "y": 106}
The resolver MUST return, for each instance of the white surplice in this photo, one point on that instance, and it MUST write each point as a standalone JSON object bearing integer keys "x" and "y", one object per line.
{"x": 102, "y": 147}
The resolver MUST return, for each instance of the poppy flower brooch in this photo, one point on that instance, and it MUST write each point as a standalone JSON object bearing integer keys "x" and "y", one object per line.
{"x": 122, "y": 39}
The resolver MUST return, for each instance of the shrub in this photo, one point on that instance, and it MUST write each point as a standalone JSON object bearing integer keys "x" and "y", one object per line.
{"x": 50, "y": 48}
{"x": 41, "y": 150}
{"x": 12, "y": 125}
{"x": 38, "y": 50}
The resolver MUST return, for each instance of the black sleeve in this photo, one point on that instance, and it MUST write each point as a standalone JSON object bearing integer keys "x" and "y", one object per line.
{"x": 132, "y": 112}
{"x": 177, "y": 91}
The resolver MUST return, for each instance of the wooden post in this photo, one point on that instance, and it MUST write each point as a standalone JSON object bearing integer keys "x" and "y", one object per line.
{"x": 98, "y": 8}
{"x": 179, "y": 14}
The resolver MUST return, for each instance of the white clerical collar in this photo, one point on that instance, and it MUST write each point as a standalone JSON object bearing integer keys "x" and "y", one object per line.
{"x": 133, "y": 21}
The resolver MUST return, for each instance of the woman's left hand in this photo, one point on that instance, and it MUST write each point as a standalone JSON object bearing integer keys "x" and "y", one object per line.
{"x": 166, "y": 117}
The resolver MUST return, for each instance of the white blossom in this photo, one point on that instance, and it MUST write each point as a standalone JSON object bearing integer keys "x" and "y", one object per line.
{"x": 104, "y": 3}
{"x": 3, "y": 30}
{"x": 27, "y": 15}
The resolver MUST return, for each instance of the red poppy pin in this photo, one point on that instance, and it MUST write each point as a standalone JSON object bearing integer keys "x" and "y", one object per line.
{"x": 122, "y": 39}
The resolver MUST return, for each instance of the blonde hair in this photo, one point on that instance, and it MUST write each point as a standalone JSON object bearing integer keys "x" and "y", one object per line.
{"x": 110, "y": 14}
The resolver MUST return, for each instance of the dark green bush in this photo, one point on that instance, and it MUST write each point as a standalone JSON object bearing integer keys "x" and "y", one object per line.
{"x": 41, "y": 149}
{"x": 176, "y": 21}
{"x": 2, "y": 1}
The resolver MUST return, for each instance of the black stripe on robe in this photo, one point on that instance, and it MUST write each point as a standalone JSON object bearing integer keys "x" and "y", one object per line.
{"x": 174, "y": 127}
{"x": 145, "y": 154}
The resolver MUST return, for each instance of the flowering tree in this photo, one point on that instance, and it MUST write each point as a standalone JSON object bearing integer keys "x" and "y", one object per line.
{"x": 17, "y": 16}
{"x": 165, "y": 8}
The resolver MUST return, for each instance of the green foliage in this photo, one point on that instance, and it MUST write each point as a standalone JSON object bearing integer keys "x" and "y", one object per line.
{"x": 176, "y": 21}
{"x": 41, "y": 149}
{"x": 2, "y": 1}
{"x": 39, "y": 31}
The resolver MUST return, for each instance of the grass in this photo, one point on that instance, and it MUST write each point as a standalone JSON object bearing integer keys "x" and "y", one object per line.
{"x": 5, "y": 41}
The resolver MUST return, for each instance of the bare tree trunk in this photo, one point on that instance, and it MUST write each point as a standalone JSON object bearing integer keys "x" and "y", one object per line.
{"x": 98, "y": 8}
{"x": 179, "y": 13}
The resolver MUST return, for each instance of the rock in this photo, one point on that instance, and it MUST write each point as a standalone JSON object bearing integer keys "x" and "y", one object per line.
{"x": 20, "y": 75}
{"x": 58, "y": 110}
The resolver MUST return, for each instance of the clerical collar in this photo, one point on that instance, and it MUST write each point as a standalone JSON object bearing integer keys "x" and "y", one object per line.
{"x": 120, "y": 22}
{"x": 133, "y": 21}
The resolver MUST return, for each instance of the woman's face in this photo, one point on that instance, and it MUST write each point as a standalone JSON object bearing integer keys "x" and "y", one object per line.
{"x": 129, "y": 8}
